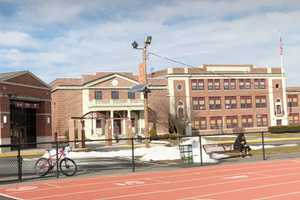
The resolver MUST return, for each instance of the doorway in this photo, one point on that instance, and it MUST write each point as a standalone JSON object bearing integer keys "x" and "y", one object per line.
{"x": 23, "y": 126}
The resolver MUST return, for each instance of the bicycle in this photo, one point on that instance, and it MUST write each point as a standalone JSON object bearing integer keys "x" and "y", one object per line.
{"x": 66, "y": 165}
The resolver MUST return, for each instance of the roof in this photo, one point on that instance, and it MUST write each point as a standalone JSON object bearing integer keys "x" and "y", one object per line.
{"x": 87, "y": 78}
{"x": 14, "y": 77}
{"x": 9, "y": 75}
{"x": 293, "y": 89}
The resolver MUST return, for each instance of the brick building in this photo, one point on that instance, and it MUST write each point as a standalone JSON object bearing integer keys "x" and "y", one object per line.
{"x": 208, "y": 99}
{"x": 102, "y": 106}
{"x": 219, "y": 98}
{"x": 293, "y": 95}
{"x": 24, "y": 108}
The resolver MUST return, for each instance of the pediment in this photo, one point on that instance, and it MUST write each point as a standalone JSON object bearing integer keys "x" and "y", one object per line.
{"x": 27, "y": 78}
{"x": 113, "y": 81}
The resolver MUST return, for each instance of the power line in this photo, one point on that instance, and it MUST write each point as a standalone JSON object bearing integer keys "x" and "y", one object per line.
{"x": 171, "y": 60}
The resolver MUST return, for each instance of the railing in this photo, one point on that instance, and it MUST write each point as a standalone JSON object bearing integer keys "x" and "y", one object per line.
{"x": 117, "y": 102}
{"x": 125, "y": 153}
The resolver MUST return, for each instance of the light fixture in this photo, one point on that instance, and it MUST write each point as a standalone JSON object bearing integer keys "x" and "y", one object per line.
{"x": 148, "y": 40}
{"x": 135, "y": 45}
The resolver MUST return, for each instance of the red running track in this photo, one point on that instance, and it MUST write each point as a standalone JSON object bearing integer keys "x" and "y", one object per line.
{"x": 260, "y": 181}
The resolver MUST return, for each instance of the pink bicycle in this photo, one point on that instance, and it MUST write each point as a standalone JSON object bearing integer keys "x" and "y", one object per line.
{"x": 66, "y": 165}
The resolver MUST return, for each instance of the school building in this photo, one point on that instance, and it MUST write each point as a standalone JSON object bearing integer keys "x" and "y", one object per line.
{"x": 208, "y": 99}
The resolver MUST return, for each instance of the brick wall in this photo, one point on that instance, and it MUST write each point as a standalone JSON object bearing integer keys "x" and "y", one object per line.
{"x": 65, "y": 104}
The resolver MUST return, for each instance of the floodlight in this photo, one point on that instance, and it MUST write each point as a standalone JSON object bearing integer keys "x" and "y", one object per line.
{"x": 134, "y": 45}
{"x": 148, "y": 40}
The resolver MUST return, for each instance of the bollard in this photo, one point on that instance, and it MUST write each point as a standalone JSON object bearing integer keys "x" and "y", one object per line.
{"x": 200, "y": 144}
{"x": 132, "y": 154}
{"x": 263, "y": 145}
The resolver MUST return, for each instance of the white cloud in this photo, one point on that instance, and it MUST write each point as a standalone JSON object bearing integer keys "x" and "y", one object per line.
{"x": 16, "y": 39}
{"x": 194, "y": 32}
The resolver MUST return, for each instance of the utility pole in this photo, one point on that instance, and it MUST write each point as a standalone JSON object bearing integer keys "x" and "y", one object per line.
{"x": 146, "y": 96}
{"x": 145, "y": 82}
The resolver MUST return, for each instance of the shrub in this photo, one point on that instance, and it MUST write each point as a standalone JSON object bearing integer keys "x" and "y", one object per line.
{"x": 285, "y": 129}
{"x": 153, "y": 134}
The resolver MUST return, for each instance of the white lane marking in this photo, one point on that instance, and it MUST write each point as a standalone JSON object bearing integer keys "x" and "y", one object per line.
{"x": 130, "y": 183}
{"x": 9, "y": 196}
{"x": 236, "y": 177}
{"x": 278, "y": 195}
{"x": 22, "y": 188}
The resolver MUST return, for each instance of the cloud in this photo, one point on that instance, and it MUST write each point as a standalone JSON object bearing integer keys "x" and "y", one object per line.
{"x": 68, "y": 38}
{"x": 17, "y": 39}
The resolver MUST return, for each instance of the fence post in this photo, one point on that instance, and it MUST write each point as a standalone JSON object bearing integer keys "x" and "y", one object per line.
{"x": 56, "y": 147}
{"x": 263, "y": 145}
{"x": 132, "y": 154}
{"x": 200, "y": 144}
{"x": 19, "y": 158}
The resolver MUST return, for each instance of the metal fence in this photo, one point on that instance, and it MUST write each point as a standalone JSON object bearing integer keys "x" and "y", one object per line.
{"x": 123, "y": 155}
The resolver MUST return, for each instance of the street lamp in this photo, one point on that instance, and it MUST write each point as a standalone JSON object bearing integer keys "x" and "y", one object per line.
{"x": 135, "y": 45}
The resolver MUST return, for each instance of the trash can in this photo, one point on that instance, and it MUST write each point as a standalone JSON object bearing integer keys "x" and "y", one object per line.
{"x": 186, "y": 153}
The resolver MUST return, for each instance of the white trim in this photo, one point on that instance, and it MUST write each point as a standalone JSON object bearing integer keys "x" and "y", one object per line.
{"x": 188, "y": 102}
{"x": 217, "y": 76}
{"x": 85, "y": 101}
{"x": 172, "y": 96}
{"x": 109, "y": 77}
{"x": 271, "y": 103}
{"x": 285, "y": 120}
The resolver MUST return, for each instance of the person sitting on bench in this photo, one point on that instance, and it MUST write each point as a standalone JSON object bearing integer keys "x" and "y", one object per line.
{"x": 241, "y": 145}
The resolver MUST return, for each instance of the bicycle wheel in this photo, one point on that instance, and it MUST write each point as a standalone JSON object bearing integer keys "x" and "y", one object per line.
{"x": 42, "y": 166}
{"x": 68, "y": 167}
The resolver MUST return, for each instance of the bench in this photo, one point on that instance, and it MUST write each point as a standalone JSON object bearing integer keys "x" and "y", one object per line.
{"x": 222, "y": 148}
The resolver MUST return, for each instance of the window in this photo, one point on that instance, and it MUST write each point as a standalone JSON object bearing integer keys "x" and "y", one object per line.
{"x": 131, "y": 95}
{"x": 203, "y": 124}
{"x": 198, "y": 103}
{"x": 179, "y": 87}
{"x": 292, "y": 100}
{"x": 214, "y": 103}
{"x": 260, "y": 102}
{"x": 229, "y": 84}
{"x": 245, "y": 83}
{"x": 217, "y": 84}
{"x": 230, "y": 102}
{"x": 180, "y": 109}
{"x": 180, "y": 112}
{"x": 98, "y": 95}
{"x": 215, "y": 122}
{"x": 213, "y": 84}
{"x": 210, "y": 84}
{"x": 98, "y": 123}
{"x": 115, "y": 94}
{"x": 293, "y": 118}
{"x": 259, "y": 83}
{"x": 246, "y": 102}
{"x": 197, "y": 84}
{"x": 247, "y": 121}
{"x": 262, "y": 120}
{"x": 200, "y": 123}
{"x": 231, "y": 121}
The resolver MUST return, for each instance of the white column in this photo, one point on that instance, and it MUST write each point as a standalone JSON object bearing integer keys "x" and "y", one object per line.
{"x": 112, "y": 120}
{"x": 124, "y": 126}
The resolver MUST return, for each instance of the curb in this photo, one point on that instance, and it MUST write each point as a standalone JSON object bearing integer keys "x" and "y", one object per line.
{"x": 23, "y": 154}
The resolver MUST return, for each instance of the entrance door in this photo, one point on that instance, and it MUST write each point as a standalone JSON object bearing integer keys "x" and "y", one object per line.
{"x": 23, "y": 125}
{"x": 117, "y": 127}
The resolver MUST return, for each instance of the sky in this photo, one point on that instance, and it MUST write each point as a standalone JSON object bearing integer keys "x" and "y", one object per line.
{"x": 67, "y": 38}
